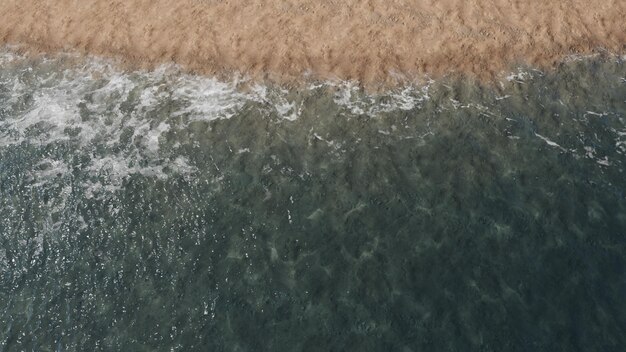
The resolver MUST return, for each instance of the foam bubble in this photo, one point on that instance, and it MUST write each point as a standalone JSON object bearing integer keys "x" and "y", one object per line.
{"x": 206, "y": 98}
{"x": 520, "y": 76}
{"x": 350, "y": 96}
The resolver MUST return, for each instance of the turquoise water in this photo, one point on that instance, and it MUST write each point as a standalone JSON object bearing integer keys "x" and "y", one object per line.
{"x": 159, "y": 211}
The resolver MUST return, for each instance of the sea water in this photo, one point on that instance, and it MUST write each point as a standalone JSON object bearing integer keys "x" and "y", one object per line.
{"x": 162, "y": 211}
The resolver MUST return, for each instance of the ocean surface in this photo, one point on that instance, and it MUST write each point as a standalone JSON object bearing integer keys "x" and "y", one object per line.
{"x": 162, "y": 211}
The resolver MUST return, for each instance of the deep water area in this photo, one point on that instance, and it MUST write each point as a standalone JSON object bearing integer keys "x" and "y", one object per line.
{"x": 162, "y": 211}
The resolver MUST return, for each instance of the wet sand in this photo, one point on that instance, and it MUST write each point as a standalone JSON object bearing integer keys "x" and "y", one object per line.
{"x": 374, "y": 41}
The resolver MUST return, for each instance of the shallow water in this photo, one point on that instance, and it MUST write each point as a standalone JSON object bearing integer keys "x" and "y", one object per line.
{"x": 158, "y": 211}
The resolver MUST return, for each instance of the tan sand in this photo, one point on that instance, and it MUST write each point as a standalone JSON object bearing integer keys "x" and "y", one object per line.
{"x": 374, "y": 41}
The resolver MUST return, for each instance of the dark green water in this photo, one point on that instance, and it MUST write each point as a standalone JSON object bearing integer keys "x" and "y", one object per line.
{"x": 155, "y": 211}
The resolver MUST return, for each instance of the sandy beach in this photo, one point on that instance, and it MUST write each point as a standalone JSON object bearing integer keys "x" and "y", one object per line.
{"x": 373, "y": 41}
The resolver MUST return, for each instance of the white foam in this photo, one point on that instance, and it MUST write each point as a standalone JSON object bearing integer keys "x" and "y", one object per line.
{"x": 350, "y": 96}
{"x": 549, "y": 142}
{"x": 8, "y": 56}
{"x": 206, "y": 98}
{"x": 590, "y": 152}
{"x": 91, "y": 102}
{"x": 620, "y": 146}
{"x": 117, "y": 168}
{"x": 599, "y": 114}
{"x": 47, "y": 170}
{"x": 288, "y": 110}
{"x": 3, "y": 259}
{"x": 92, "y": 188}
{"x": 520, "y": 76}
{"x": 152, "y": 135}
{"x": 604, "y": 162}
{"x": 85, "y": 105}
{"x": 51, "y": 112}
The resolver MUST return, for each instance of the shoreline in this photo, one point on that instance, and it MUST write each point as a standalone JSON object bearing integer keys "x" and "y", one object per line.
{"x": 376, "y": 43}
